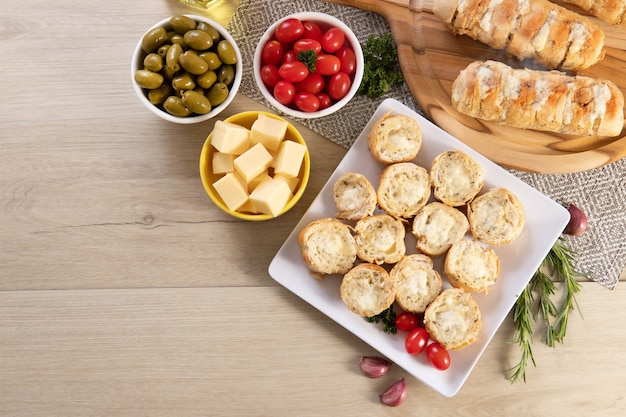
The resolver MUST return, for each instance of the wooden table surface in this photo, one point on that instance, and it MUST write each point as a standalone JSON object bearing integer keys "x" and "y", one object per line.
{"x": 125, "y": 292}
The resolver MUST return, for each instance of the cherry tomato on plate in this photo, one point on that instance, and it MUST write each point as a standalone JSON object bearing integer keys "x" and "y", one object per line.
{"x": 306, "y": 44}
{"x": 347, "y": 58}
{"x": 313, "y": 83}
{"x": 416, "y": 341}
{"x": 294, "y": 71}
{"x": 325, "y": 101}
{"x": 270, "y": 75}
{"x": 333, "y": 39}
{"x": 339, "y": 85}
{"x": 327, "y": 64}
{"x": 272, "y": 53}
{"x": 312, "y": 31}
{"x": 284, "y": 92}
{"x": 407, "y": 321}
{"x": 438, "y": 356}
{"x": 307, "y": 102}
{"x": 289, "y": 30}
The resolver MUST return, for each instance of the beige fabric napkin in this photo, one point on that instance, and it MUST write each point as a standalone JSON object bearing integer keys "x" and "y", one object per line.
{"x": 600, "y": 192}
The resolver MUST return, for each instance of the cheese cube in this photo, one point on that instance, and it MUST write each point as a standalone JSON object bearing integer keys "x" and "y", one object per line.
{"x": 253, "y": 162}
{"x": 231, "y": 191}
{"x": 289, "y": 158}
{"x": 257, "y": 180}
{"x": 292, "y": 182}
{"x": 230, "y": 138}
{"x": 268, "y": 131}
{"x": 248, "y": 207}
{"x": 271, "y": 196}
{"x": 222, "y": 163}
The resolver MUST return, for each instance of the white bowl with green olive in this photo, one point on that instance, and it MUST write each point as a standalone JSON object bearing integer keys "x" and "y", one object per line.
{"x": 186, "y": 69}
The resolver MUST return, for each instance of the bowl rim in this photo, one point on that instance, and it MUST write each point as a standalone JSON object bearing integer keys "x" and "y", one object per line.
{"x": 316, "y": 17}
{"x": 137, "y": 57}
{"x": 205, "y": 164}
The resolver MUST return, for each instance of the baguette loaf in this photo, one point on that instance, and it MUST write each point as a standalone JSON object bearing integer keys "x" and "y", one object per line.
{"x": 367, "y": 290}
{"x": 611, "y": 11}
{"x": 328, "y": 247}
{"x": 550, "y": 34}
{"x": 354, "y": 196}
{"x": 403, "y": 189}
{"x": 541, "y": 100}
{"x": 416, "y": 283}
{"x": 380, "y": 239}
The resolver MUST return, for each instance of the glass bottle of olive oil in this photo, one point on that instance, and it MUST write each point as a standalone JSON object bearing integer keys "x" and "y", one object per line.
{"x": 219, "y": 10}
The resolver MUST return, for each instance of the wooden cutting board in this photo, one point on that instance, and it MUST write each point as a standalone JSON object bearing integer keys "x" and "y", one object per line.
{"x": 431, "y": 58}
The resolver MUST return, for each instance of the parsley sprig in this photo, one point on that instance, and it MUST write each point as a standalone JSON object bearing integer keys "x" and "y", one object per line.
{"x": 388, "y": 319}
{"x": 559, "y": 262}
{"x": 382, "y": 69}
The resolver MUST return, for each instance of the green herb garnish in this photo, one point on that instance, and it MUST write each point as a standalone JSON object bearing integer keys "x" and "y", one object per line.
{"x": 308, "y": 58}
{"x": 388, "y": 319}
{"x": 382, "y": 69}
{"x": 559, "y": 261}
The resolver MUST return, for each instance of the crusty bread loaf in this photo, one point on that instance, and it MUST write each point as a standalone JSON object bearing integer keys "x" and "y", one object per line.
{"x": 471, "y": 266}
{"x": 354, "y": 196}
{"x": 550, "y": 34}
{"x": 610, "y": 11}
{"x": 540, "y": 100}
{"x": 437, "y": 226}
{"x": 395, "y": 138}
{"x": 453, "y": 319}
{"x": 456, "y": 178}
{"x": 496, "y": 217}
{"x": 367, "y": 290}
{"x": 328, "y": 247}
{"x": 403, "y": 189}
{"x": 416, "y": 283}
{"x": 380, "y": 239}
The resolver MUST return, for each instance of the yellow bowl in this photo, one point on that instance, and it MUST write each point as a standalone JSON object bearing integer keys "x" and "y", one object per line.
{"x": 246, "y": 119}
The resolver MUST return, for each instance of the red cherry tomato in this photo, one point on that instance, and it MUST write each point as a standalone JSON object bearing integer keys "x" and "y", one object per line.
{"x": 407, "y": 321}
{"x": 416, "y": 341}
{"x": 325, "y": 101}
{"x": 289, "y": 56}
{"x": 327, "y": 64}
{"x": 307, "y": 102}
{"x": 294, "y": 71}
{"x": 289, "y": 30}
{"x": 312, "y": 31}
{"x": 332, "y": 40}
{"x": 272, "y": 53}
{"x": 284, "y": 92}
{"x": 270, "y": 75}
{"x": 313, "y": 83}
{"x": 347, "y": 58}
{"x": 306, "y": 44}
{"x": 339, "y": 85}
{"x": 438, "y": 356}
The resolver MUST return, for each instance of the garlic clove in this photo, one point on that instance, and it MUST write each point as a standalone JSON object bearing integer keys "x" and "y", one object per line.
{"x": 395, "y": 394}
{"x": 577, "y": 223}
{"x": 374, "y": 366}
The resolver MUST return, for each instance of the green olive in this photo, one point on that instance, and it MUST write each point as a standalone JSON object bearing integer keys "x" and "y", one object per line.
{"x": 217, "y": 94}
{"x": 196, "y": 102}
{"x": 178, "y": 39}
{"x": 162, "y": 51}
{"x": 207, "y": 79}
{"x": 191, "y": 62}
{"x": 148, "y": 79}
{"x": 226, "y": 52}
{"x": 167, "y": 73}
{"x": 171, "y": 60}
{"x": 205, "y": 27}
{"x": 174, "y": 106}
{"x": 153, "y": 39}
{"x": 153, "y": 62}
{"x": 199, "y": 40}
{"x": 158, "y": 95}
{"x": 183, "y": 82}
{"x": 212, "y": 59}
{"x": 182, "y": 23}
{"x": 226, "y": 74}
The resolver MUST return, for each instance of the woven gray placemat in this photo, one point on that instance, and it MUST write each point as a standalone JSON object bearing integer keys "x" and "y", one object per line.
{"x": 600, "y": 192}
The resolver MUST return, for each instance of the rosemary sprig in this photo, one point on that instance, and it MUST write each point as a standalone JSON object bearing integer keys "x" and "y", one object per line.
{"x": 560, "y": 262}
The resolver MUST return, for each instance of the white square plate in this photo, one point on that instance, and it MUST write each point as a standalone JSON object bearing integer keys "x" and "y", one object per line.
{"x": 545, "y": 221}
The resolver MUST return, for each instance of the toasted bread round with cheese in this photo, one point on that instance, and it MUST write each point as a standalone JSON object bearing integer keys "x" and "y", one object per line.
{"x": 367, "y": 290}
{"x": 437, "y": 227}
{"x": 415, "y": 282}
{"x": 354, "y": 195}
{"x": 395, "y": 138}
{"x": 403, "y": 189}
{"x": 453, "y": 319}
{"x": 328, "y": 247}
{"x": 456, "y": 178}
{"x": 471, "y": 266}
{"x": 496, "y": 217}
{"x": 380, "y": 239}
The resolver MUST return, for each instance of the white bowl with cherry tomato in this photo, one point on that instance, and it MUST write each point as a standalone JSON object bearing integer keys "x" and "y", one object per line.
{"x": 308, "y": 65}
